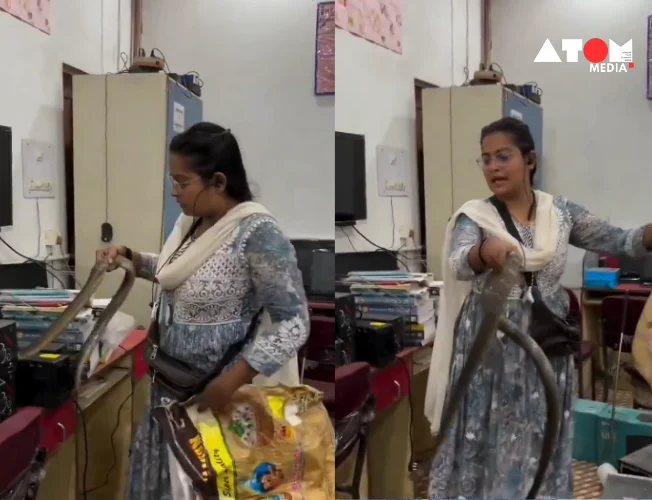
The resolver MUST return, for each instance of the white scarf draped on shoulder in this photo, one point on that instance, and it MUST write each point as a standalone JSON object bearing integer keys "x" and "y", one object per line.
{"x": 454, "y": 291}
{"x": 171, "y": 275}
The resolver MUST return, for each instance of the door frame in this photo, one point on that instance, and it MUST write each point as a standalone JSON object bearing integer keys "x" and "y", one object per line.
{"x": 68, "y": 72}
{"x": 419, "y": 86}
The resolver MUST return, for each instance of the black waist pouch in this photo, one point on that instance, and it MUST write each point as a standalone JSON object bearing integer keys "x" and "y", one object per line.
{"x": 557, "y": 337}
{"x": 179, "y": 379}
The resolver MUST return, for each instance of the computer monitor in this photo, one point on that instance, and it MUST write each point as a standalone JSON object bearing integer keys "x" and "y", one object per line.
{"x": 646, "y": 277}
{"x": 323, "y": 273}
{"x": 631, "y": 268}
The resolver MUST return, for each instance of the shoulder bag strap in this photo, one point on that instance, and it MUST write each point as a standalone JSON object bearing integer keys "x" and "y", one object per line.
{"x": 154, "y": 333}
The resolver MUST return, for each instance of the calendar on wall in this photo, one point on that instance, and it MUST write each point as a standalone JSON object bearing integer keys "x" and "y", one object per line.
{"x": 34, "y": 12}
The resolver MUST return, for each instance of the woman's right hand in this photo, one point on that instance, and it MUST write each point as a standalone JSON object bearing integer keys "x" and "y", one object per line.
{"x": 109, "y": 255}
{"x": 494, "y": 253}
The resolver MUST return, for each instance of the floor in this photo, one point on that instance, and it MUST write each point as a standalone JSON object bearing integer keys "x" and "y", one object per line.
{"x": 586, "y": 483}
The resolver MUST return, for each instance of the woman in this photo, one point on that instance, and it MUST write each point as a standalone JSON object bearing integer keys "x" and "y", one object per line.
{"x": 492, "y": 449}
{"x": 236, "y": 261}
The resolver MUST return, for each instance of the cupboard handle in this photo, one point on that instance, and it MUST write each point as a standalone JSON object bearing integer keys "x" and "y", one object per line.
{"x": 63, "y": 431}
{"x": 398, "y": 390}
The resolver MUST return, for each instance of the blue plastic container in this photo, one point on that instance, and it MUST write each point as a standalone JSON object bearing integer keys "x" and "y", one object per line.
{"x": 601, "y": 277}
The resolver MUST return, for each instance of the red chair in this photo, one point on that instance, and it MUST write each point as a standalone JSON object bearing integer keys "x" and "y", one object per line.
{"x": 351, "y": 413}
{"x": 620, "y": 314}
{"x": 587, "y": 347}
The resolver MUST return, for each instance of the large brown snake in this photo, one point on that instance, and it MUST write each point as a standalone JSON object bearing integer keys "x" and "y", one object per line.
{"x": 80, "y": 301}
{"x": 494, "y": 299}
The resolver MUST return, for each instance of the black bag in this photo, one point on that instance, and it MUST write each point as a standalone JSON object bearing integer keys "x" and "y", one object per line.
{"x": 178, "y": 378}
{"x": 556, "y": 336}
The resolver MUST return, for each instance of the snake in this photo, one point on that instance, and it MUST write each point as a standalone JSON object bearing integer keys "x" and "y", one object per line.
{"x": 81, "y": 301}
{"x": 494, "y": 299}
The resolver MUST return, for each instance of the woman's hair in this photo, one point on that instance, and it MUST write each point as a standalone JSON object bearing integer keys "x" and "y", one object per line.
{"x": 519, "y": 132}
{"x": 212, "y": 149}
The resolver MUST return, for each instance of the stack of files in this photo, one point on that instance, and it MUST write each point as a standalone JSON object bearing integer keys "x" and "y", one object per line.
{"x": 34, "y": 312}
{"x": 399, "y": 294}
{"x": 45, "y": 297}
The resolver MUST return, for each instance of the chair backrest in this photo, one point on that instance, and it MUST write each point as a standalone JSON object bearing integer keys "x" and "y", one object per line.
{"x": 615, "y": 309}
{"x": 353, "y": 389}
{"x": 574, "y": 303}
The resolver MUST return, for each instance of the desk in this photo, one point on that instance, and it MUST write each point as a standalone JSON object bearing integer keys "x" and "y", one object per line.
{"x": 112, "y": 403}
{"x": 591, "y": 302}
{"x": 390, "y": 444}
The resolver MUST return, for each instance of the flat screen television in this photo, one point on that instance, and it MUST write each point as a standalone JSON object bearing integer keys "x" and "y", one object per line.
{"x": 6, "y": 176}
{"x": 350, "y": 178}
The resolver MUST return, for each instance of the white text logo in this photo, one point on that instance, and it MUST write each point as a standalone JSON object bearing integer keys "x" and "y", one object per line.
{"x": 594, "y": 50}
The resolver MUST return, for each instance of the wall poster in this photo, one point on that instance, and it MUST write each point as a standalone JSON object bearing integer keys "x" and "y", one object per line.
{"x": 34, "y": 12}
{"x": 325, "y": 49}
{"x": 378, "y": 21}
{"x": 649, "y": 58}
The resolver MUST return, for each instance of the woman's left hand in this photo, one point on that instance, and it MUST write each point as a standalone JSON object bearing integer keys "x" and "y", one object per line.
{"x": 219, "y": 392}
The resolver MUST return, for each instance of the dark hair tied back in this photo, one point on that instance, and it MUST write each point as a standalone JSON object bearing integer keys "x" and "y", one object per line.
{"x": 212, "y": 149}
{"x": 520, "y": 133}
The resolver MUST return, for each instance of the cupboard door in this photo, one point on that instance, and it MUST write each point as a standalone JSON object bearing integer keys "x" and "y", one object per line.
{"x": 532, "y": 114}
{"x": 60, "y": 474}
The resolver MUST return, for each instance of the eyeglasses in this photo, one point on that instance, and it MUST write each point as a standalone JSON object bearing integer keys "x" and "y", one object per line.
{"x": 501, "y": 159}
{"x": 180, "y": 186}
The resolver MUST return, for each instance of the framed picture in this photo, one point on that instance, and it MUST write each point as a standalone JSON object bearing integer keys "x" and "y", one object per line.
{"x": 325, "y": 49}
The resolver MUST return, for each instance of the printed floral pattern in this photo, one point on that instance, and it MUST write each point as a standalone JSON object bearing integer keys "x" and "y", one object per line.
{"x": 492, "y": 449}
{"x": 378, "y": 21}
{"x": 212, "y": 310}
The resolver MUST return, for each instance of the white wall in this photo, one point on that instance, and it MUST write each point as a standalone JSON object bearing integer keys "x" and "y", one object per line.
{"x": 256, "y": 58}
{"x": 84, "y": 35}
{"x": 596, "y": 125}
{"x": 375, "y": 97}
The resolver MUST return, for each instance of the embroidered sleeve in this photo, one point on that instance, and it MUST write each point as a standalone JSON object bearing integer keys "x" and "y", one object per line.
{"x": 466, "y": 234}
{"x": 147, "y": 269}
{"x": 589, "y": 232}
{"x": 279, "y": 288}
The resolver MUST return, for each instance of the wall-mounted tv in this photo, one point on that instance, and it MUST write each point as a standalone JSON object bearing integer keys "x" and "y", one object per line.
{"x": 6, "y": 176}
{"x": 350, "y": 179}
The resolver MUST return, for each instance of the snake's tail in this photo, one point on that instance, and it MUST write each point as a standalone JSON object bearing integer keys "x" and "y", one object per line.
{"x": 104, "y": 318}
{"x": 489, "y": 323}
{"x": 553, "y": 416}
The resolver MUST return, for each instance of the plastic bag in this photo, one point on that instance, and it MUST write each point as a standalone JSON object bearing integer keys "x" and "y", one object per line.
{"x": 274, "y": 443}
{"x": 118, "y": 328}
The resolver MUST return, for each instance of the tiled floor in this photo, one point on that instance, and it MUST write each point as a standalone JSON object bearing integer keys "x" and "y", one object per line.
{"x": 585, "y": 479}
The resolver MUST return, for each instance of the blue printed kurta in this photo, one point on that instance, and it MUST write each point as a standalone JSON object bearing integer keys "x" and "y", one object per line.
{"x": 211, "y": 310}
{"x": 493, "y": 448}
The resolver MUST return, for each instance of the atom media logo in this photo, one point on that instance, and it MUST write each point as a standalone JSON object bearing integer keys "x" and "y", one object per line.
{"x": 594, "y": 50}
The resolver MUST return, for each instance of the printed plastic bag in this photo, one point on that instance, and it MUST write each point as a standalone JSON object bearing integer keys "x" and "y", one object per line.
{"x": 273, "y": 443}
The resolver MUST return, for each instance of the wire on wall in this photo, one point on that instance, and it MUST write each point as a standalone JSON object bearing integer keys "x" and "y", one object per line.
{"x": 347, "y": 237}
{"x": 119, "y": 42}
{"x": 102, "y": 36}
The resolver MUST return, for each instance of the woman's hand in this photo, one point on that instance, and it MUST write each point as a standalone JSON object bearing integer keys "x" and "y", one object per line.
{"x": 219, "y": 392}
{"x": 109, "y": 255}
{"x": 494, "y": 252}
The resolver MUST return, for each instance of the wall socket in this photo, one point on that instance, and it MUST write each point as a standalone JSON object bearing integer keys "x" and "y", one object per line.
{"x": 404, "y": 232}
{"x": 51, "y": 238}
